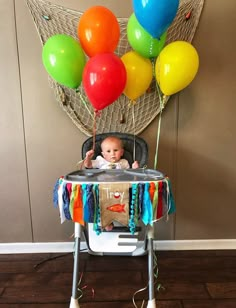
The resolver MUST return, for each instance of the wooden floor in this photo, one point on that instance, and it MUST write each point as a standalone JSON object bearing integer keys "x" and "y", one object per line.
{"x": 189, "y": 279}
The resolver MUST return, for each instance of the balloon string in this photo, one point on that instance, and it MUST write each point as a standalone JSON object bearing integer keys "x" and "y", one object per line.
{"x": 134, "y": 150}
{"x": 155, "y": 275}
{"x": 80, "y": 289}
{"x": 80, "y": 164}
{"x": 84, "y": 102}
{"x": 161, "y": 101}
{"x": 96, "y": 114}
{"x": 133, "y": 298}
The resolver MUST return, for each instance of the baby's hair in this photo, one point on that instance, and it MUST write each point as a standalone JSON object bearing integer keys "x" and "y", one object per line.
{"x": 114, "y": 139}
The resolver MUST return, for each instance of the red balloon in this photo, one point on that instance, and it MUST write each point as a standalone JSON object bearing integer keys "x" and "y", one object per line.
{"x": 98, "y": 31}
{"x": 104, "y": 79}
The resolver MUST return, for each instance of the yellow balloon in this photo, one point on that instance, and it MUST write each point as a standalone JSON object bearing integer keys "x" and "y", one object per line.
{"x": 176, "y": 67}
{"x": 139, "y": 74}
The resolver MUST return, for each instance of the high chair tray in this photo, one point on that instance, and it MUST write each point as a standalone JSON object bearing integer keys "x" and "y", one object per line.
{"x": 117, "y": 175}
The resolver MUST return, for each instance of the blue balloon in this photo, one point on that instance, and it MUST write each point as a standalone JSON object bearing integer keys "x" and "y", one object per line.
{"x": 155, "y": 16}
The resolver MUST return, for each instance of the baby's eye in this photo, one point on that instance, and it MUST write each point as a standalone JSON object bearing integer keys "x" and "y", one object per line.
{"x": 115, "y": 150}
{"x": 108, "y": 151}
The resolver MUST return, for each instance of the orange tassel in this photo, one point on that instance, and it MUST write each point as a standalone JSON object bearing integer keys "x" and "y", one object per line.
{"x": 78, "y": 207}
{"x": 152, "y": 190}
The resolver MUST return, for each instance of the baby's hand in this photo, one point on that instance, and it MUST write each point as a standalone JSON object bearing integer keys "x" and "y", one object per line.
{"x": 90, "y": 154}
{"x": 135, "y": 165}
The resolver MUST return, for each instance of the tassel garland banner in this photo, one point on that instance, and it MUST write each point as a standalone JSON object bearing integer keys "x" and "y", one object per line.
{"x": 103, "y": 203}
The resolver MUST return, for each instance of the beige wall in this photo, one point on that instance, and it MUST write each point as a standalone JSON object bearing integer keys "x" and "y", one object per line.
{"x": 39, "y": 142}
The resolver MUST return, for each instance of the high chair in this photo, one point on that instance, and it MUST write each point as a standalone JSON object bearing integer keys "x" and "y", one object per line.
{"x": 136, "y": 237}
{"x": 119, "y": 240}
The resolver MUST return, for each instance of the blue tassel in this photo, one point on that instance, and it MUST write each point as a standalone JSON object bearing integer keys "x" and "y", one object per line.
{"x": 66, "y": 202}
{"x": 140, "y": 198}
{"x": 91, "y": 202}
{"x": 88, "y": 202}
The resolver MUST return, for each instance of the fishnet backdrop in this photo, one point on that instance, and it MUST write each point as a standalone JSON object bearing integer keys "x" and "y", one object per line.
{"x": 120, "y": 116}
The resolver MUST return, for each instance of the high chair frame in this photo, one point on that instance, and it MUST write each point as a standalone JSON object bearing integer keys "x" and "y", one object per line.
{"x": 135, "y": 148}
{"x": 134, "y": 248}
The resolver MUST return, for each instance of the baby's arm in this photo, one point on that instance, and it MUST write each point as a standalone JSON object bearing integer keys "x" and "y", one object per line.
{"x": 135, "y": 165}
{"x": 88, "y": 159}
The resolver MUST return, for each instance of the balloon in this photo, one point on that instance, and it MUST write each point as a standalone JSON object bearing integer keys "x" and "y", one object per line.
{"x": 98, "y": 31}
{"x": 176, "y": 67}
{"x": 139, "y": 74}
{"x": 104, "y": 79}
{"x": 64, "y": 60}
{"x": 155, "y": 15}
{"x": 141, "y": 41}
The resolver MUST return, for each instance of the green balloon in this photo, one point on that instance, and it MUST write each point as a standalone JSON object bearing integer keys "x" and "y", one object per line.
{"x": 141, "y": 41}
{"x": 64, "y": 60}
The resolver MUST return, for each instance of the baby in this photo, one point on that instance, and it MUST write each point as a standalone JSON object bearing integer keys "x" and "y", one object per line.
{"x": 112, "y": 151}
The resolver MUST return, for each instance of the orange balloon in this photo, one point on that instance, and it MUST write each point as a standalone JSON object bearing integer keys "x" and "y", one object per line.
{"x": 98, "y": 31}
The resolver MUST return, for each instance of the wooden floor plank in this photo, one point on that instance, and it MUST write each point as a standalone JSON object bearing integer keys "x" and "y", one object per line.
{"x": 112, "y": 278}
{"x": 209, "y": 303}
{"x": 180, "y": 290}
{"x": 35, "y": 279}
{"x": 222, "y": 290}
{"x": 35, "y": 295}
{"x": 117, "y": 263}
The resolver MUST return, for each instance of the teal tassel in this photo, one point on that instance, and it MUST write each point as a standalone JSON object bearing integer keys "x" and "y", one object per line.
{"x": 97, "y": 212}
{"x": 147, "y": 215}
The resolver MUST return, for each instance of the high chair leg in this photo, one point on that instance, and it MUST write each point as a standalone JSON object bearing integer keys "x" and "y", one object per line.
{"x": 74, "y": 303}
{"x": 151, "y": 300}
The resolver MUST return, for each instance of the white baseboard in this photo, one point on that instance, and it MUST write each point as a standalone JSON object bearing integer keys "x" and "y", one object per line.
{"x": 47, "y": 247}
{"x": 221, "y": 244}
{"x": 63, "y": 247}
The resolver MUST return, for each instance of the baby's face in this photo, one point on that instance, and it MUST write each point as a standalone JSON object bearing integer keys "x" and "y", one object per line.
{"x": 112, "y": 151}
